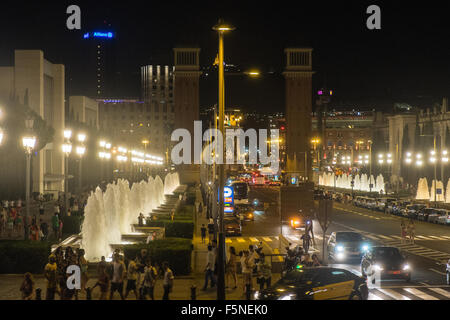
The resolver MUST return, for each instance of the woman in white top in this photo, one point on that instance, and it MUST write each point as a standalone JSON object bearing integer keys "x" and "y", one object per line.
{"x": 247, "y": 268}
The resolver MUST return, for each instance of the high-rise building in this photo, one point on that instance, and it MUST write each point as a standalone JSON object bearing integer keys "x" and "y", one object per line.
{"x": 100, "y": 64}
{"x": 157, "y": 85}
{"x": 38, "y": 83}
{"x": 133, "y": 122}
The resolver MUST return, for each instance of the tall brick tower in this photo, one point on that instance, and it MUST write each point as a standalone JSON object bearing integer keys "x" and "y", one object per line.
{"x": 186, "y": 94}
{"x": 298, "y": 75}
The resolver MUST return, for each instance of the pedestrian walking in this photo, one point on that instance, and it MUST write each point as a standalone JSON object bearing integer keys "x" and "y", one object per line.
{"x": 118, "y": 273}
{"x": 131, "y": 279}
{"x": 141, "y": 261}
{"x": 150, "y": 277}
{"x": 411, "y": 230}
{"x": 211, "y": 230}
{"x": 103, "y": 278}
{"x": 44, "y": 229}
{"x": 209, "y": 268}
{"x": 83, "y": 263}
{"x": 403, "y": 230}
{"x": 264, "y": 272}
{"x": 55, "y": 225}
{"x": 141, "y": 220}
{"x": 60, "y": 230}
{"x": 50, "y": 273}
{"x": 27, "y": 287}
{"x": 246, "y": 267}
{"x": 168, "y": 280}
{"x": 203, "y": 232}
{"x": 230, "y": 268}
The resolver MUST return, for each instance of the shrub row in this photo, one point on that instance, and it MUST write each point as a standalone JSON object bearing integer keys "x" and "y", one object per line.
{"x": 72, "y": 224}
{"x": 177, "y": 252}
{"x": 20, "y": 256}
{"x": 175, "y": 229}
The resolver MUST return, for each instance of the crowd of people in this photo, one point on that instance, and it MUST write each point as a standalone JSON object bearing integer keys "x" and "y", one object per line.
{"x": 140, "y": 276}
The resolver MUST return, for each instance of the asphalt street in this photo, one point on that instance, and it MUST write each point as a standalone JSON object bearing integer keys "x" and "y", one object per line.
{"x": 426, "y": 256}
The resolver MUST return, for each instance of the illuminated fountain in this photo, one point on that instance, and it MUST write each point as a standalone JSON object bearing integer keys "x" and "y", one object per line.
{"x": 447, "y": 193}
{"x": 361, "y": 182}
{"x": 422, "y": 190}
{"x": 439, "y": 197}
{"x": 111, "y": 214}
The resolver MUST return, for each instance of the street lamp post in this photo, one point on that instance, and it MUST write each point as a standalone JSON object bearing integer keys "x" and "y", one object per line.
{"x": 29, "y": 143}
{"x": 67, "y": 149}
{"x": 221, "y": 28}
{"x": 80, "y": 150}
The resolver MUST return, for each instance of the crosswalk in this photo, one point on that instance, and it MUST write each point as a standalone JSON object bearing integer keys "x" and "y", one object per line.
{"x": 268, "y": 241}
{"x": 417, "y": 237}
{"x": 410, "y": 293}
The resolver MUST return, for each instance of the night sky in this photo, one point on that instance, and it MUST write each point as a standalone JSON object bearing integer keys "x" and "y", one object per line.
{"x": 407, "y": 61}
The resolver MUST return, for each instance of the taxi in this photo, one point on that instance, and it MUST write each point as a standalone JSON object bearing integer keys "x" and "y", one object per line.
{"x": 319, "y": 283}
{"x": 247, "y": 210}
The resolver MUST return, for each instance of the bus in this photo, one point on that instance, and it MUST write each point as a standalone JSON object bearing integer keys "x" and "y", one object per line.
{"x": 241, "y": 190}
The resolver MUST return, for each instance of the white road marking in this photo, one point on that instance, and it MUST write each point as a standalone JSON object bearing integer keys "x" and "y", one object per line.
{"x": 393, "y": 294}
{"x": 434, "y": 270}
{"x": 293, "y": 238}
{"x": 267, "y": 239}
{"x": 384, "y": 237}
{"x": 240, "y": 240}
{"x": 434, "y": 237}
{"x": 446, "y": 237}
{"x": 422, "y": 237}
{"x": 254, "y": 239}
{"x": 373, "y": 296}
{"x": 397, "y": 237}
{"x": 228, "y": 241}
{"x": 420, "y": 294}
{"x": 440, "y": 291}
{"x": 371, "y": 237}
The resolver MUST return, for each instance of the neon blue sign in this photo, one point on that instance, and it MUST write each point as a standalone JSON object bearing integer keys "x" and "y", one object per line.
{"x": 98, "y": 34}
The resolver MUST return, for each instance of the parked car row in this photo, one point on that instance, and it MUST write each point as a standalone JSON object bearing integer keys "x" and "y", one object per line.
{"x": 405, "y": 208}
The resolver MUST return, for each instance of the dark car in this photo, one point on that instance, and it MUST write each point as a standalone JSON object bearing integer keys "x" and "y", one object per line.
{"x": 321, "y": 283}
{"x": 346, "y": 245}
{"x": 423, "y": 215}
{"x": 232, "y": 227}
{"x": 385, "y": 262}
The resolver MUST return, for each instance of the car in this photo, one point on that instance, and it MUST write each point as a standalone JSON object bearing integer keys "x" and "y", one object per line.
{"x": 423, "y": 215}
{"x": 275, "y": 183}
{"x": 247, "y": 210}
{"x": 386, "y": 263}
{"x": 232, "y": 227}
{"x": 445, "y": 219}
{"x": 412, "y": 211}
{"x": 433, "y": 217}
{"x": 346, "y": 245}
{"x": 391, "y": 207}
{"x": 319, "y": 283}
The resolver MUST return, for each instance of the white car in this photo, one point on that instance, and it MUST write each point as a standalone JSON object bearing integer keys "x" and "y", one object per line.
{"x": 444, "y": 219}
{"x": 434, "y": 217}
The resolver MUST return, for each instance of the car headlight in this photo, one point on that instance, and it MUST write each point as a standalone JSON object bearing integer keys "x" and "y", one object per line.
{"x": 377, "y": 267}
{"x": 340, "y": 248}
{"x": 287, "y": 297}
{"x": 406, "y": 267}
{"x": 365, "y": 247}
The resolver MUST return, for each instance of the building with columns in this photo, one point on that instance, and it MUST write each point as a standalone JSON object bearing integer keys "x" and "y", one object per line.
{"x": 42, "y": 82}
{"x": 298, "y": 77}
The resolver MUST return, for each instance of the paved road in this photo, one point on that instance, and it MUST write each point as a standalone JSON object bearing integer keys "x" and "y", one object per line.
{"x": 426, "y": 256}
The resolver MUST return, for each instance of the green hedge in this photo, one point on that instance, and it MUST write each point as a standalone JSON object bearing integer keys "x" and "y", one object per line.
{"x": 20, "y": 256}
{"x": 177, "y": 252}
{"x": 72, "y": 224}
{"x": 175, "y": 229}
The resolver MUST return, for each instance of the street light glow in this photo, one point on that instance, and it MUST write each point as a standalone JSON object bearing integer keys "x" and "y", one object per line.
{"x": 80, "y": 150}
{"x": 29, "y": 142}
{"x": 67, "y": 134}
{"x": 102, "y": 144}
{"x": 81, "y": 137}
{"x": 67, "y": 148}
